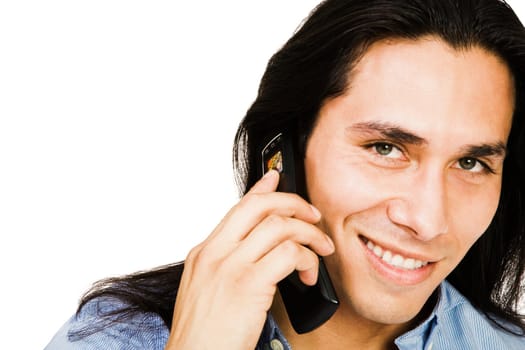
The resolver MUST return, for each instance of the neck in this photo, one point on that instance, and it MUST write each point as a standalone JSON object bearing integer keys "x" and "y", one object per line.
{"x": 344, "y": 330}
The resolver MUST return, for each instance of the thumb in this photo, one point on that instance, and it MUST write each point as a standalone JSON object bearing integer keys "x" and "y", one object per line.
{"x": 267, "y": 183}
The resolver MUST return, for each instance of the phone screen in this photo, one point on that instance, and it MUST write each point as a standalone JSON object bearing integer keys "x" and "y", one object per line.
{"x": 273, "y": 155}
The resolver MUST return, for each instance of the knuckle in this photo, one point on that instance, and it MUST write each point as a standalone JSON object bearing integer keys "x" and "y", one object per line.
{"x": 201, "y": 255}
{"x": 290, "y": 248}
{"x": 275, "y": 221}
{"x": 297, "y": 198}
{"x": 250, "y": 200}
{"x": 314, "y": 259}
{"x": 193, "y": 253}
{"x": 296, "y": 202}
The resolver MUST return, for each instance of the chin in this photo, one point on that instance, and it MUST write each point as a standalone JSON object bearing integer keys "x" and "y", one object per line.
{"x": 371, "y": 300}
{"x": 385, "y": 312}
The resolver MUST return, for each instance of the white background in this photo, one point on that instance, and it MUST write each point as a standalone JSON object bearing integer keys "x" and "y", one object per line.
{"x": 116, "y": 125}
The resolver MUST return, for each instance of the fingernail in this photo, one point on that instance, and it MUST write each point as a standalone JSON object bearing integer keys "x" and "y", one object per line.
{"x": 331, "y": 243}
{"x": 317, "y": 213}
{"x": 269, "y": 173}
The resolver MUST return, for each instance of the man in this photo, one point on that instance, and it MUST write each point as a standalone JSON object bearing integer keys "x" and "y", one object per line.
{"x": 409, "y": 123}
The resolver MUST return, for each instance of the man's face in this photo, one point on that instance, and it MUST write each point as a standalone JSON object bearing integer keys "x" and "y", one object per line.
{"x": 406, "y": 169}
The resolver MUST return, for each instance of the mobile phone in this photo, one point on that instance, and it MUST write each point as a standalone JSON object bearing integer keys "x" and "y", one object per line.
{"x": 307, "y": 307}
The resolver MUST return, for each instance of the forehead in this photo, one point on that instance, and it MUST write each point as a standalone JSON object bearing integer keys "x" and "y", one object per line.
{"x": 427, "y": 86}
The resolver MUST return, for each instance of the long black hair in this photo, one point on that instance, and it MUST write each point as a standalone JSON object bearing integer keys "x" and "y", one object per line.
{"x": 316, "y": 65}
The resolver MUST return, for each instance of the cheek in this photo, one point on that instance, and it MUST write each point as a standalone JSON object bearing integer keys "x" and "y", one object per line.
{"x": 471, "y": 212}
{"x": 341, "y": 186}
{"x": 331, "y": 192}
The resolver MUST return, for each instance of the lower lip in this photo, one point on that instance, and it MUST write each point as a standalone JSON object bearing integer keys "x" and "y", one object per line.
{"x": 395, "y": 274}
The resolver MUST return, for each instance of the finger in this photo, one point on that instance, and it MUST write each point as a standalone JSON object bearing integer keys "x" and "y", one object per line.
{"x": 254, "y": 207}
{"x": 283, "y": 260}
{"x": 274, "y": 230}
{"x": 267, "y": 183}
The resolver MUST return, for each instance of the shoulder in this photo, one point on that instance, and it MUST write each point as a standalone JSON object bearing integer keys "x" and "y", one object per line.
{"x": 96, "y": 326}
{"x": 459, "y": 322}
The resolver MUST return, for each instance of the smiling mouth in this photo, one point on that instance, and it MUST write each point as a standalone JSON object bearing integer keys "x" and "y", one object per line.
{"x": 393, "y": 259}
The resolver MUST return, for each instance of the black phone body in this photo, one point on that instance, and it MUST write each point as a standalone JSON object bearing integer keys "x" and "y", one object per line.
{"x": 307, "y": 307}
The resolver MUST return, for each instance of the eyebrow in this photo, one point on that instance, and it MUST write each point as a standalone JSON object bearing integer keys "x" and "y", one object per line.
{"x": 389, "y": 131}
{"x": 398, "y": 134}
{"x": 497, "y": 149}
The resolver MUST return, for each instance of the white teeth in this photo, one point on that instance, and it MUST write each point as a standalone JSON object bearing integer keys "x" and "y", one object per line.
{"x": 409, "y": 264}
{"x": 395, "y": 259}
{"x": 387, "y": 257}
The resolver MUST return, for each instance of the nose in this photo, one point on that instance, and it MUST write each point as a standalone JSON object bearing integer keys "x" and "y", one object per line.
{"x": 422, "y": 205}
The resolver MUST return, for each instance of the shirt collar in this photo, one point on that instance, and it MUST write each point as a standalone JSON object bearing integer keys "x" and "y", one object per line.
{"x": 422, "y": 335}
{"x": 447, "y": 298}
{"x": 271, "y": 337}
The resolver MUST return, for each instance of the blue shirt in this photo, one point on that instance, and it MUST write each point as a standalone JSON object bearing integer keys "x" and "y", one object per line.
{"x": 453, "y": 324}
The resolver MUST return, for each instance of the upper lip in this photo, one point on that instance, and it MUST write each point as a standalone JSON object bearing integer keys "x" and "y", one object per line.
{"x": 394, "y": 249}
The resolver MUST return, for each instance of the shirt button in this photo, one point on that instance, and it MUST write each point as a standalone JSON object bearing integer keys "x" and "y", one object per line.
{"x": 430, "y": 346}
{"x": 275, "y": 344}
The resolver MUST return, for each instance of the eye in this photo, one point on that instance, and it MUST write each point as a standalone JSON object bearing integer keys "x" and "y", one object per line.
{"x": 386, "y": 150}
{"x": 473, "y": 165}
{"x": 467, "y": 163}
